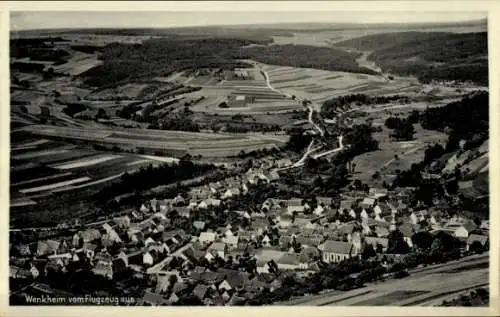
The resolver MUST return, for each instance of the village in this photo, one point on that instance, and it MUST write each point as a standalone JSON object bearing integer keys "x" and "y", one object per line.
{"x": 227, "y": 243}
{"x": 250, "y": 166}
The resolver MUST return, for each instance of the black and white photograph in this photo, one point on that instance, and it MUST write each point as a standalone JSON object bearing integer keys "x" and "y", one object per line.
{"x": 249, "y": 158}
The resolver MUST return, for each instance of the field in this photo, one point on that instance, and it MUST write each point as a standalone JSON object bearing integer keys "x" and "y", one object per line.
{"x": 319, "y": 85}
{"x": 78, "y": 64}
{"x": 205, "y": 144}
{"x": 330, "y": 37}
{"x": 127, "y": 91}
{"x": 41, "y": 167}
{"x": 265, "y": 101}
{"x": 383, "y": 160}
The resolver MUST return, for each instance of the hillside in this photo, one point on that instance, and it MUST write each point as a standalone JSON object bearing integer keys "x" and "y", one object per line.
{"x": 160, "y": 57}
{"x": 428, "y": 55}
{"x": 307, "y": 57}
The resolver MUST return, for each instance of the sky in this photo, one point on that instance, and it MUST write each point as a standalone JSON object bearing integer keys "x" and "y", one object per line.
{"x": 25, "y": 20}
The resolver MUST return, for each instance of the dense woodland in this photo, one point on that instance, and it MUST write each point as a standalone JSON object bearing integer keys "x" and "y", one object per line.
{"x": 150, "y": 177}
{"x": 403, "y": 129}
{"x": 307, "y": 56}
{"x": 428, "y": 55}
{"x": 467, "y": 119}
{"x": 40, "y": 49}
{"x": 162, "y": 56}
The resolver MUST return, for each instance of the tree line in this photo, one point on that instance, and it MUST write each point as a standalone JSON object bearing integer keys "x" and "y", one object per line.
{"x": 331, "y": 106}
{"x": 149, "y": 177}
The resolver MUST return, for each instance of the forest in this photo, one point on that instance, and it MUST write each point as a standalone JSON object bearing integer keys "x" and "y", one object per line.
{"x": 324, "y": 58}
{"x": 161, "y": 57}
{"x": 428, "y": 55}
{"x": 467, "y": 119}
{"x": 150, "y": 177}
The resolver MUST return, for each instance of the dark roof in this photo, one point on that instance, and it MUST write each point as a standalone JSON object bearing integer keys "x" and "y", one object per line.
{"x": 376, "y": 240}
{"x": 338, "y": 247}
{"x": 469, "y": 226}
{"x": 266, "y": 277}
{"x": 154, "y": 299}
{"x": 235, "y": 278}
{"x": 476, "y": 237}
{"x": 289, "y": 258}
{"x": 119, "y": 265}
{"x": 200, "y": 291}
{"x": 406, "y": 229}
{"x": 218, "y": 246}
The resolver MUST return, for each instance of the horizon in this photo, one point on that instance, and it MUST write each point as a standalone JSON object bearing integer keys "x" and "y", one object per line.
{"x": 52, "y": 20}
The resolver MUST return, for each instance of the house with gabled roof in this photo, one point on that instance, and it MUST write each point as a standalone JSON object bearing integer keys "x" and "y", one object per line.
{"x": 200, "y": 225}
{"x": 201, "y": 291}
{"x": 376, "y": 241}
{"x": 464, "y": 230}
{"x": 90, "y": 235}
{"x": 231, "y": 241}
{"x": 381, "y": 232}
{"x": 336, "y": 251}
{"x": 367, "y": 202}
{"x": 294, "y": 201}
{"x": 260, "y": 225}
{"x": 364, "y": 214}
{"x": 122, "y": 222}
{"x": 318, "y": 211}
{"x": 266, "y": 241}
{"x": 324, "y": 201}
{"x": 290, "y": 209}
{"x": 473, "y": 237}
{"x": 206, "y": 237}
{"x": 218, "y": 249}
{"x": 47, "y": 247}
{"x": 485, "y": 224}
{"x": 408, "y": 230}
{"x": 309, "y": 255}
{"x": 289, "y": 261}
{"x": 264, "y": 256}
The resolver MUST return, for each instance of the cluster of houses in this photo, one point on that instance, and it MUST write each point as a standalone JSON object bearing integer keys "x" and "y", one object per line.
{"x": 223, "y": 264}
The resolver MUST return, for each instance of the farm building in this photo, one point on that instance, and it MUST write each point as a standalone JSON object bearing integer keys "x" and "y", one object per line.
{"x": 239, "y": 100}
{"x": 241, "y": 73}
